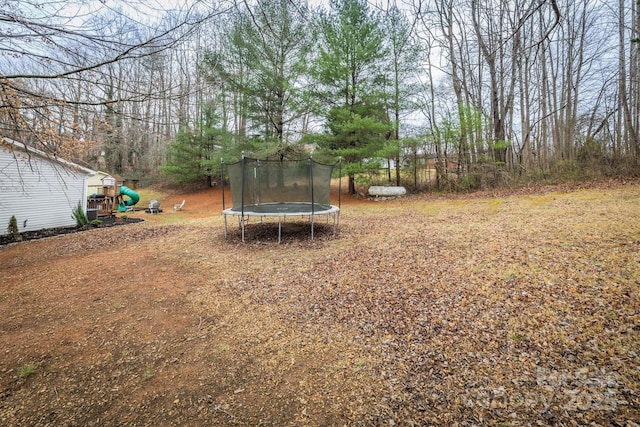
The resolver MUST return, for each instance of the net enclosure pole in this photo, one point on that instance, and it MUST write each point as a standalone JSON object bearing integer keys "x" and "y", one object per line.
{"x": 222, "y": 179}
{"x": 339, "y": 180}
{"x": 242, "y": 197}
{"x": 313, "y": 201}
{"x": 339, "y": 193}
{"x": 222, "y": 187}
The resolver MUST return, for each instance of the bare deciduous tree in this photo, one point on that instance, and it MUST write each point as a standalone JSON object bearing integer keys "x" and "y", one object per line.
{"x": 67, "y": 68}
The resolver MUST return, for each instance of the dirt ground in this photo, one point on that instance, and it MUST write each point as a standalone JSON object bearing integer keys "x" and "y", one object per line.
{"x": 509, "y": 309}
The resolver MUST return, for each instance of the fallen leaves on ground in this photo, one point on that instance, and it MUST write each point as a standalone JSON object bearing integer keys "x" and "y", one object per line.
{"x": 494, "y": 310}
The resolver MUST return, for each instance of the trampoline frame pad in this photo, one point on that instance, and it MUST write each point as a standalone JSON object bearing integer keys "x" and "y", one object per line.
{"x": 282, "y": 210}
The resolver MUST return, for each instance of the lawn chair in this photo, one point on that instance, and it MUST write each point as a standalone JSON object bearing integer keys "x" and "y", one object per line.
{"x": 179, "y": 206}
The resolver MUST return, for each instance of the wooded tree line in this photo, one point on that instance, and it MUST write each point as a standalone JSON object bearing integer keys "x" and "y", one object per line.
{"x": 468, "y": 92}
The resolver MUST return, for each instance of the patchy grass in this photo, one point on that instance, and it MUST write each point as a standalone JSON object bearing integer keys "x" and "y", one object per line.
{"x": 27, "y": 370}
{"x": 147, "y": 195}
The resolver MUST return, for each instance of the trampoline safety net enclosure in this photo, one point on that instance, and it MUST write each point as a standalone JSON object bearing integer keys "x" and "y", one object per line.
{"x": 279, "y": 188}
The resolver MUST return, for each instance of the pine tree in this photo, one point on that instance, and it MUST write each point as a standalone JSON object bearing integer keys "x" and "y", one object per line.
{"x": 349, "y": 71}
{"x": 194, "y": 156}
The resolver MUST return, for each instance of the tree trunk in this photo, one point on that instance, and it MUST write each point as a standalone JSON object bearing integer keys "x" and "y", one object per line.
{"x": 352, "y": 185}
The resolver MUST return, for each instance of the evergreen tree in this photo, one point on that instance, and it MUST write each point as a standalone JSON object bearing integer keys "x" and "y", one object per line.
{"x": 356, "y": 134}
{"x": 194, "y": 156}
{"x": 264, "y": 63}
{"x": 348, "y": 69}
{"x": 403, "y": 63}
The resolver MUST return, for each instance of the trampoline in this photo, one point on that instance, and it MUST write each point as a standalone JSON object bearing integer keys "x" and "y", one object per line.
{"x": 280, "y": 189}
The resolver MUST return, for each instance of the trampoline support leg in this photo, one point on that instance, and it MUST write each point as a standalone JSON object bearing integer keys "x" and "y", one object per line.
{"x": 279, "y": 228}
{"x": 312, "y": 227}
{"x": 334, "y": 224}
{"x": 225, "y": 226}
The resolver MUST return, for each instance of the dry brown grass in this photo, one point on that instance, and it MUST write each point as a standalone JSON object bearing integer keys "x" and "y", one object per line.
{"x": 497, "y": 310}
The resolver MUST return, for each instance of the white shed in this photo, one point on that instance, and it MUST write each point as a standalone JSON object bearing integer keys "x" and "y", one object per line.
{"x": 39, "y": 190}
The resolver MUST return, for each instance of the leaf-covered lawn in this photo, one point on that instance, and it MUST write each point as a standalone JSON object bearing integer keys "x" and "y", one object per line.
{"x": 513, "y": 310}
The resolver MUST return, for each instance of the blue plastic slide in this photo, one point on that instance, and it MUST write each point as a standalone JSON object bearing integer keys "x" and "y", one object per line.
{"x": 133, "y": 198}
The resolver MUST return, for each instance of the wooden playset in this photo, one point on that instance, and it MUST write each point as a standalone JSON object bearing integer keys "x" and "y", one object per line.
{"x": 111, "y": 198}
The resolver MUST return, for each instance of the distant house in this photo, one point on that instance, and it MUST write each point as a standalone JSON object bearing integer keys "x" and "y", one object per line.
{"x": 40, "y": 190}
{"x": 95, "y": 183}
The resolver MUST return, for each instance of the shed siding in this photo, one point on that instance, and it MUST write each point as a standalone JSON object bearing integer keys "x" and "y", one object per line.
{"x": 41, "y": 193}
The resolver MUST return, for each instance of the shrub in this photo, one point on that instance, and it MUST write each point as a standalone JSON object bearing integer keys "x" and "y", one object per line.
{"x": 80, "y": 216}
{"x": 96, "y": 223}
{"x": 468, "y": 182}
{"x": 12, "y": 229}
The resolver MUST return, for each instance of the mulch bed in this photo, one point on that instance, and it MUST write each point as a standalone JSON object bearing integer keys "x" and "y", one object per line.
{"x": 108, "y": 221}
